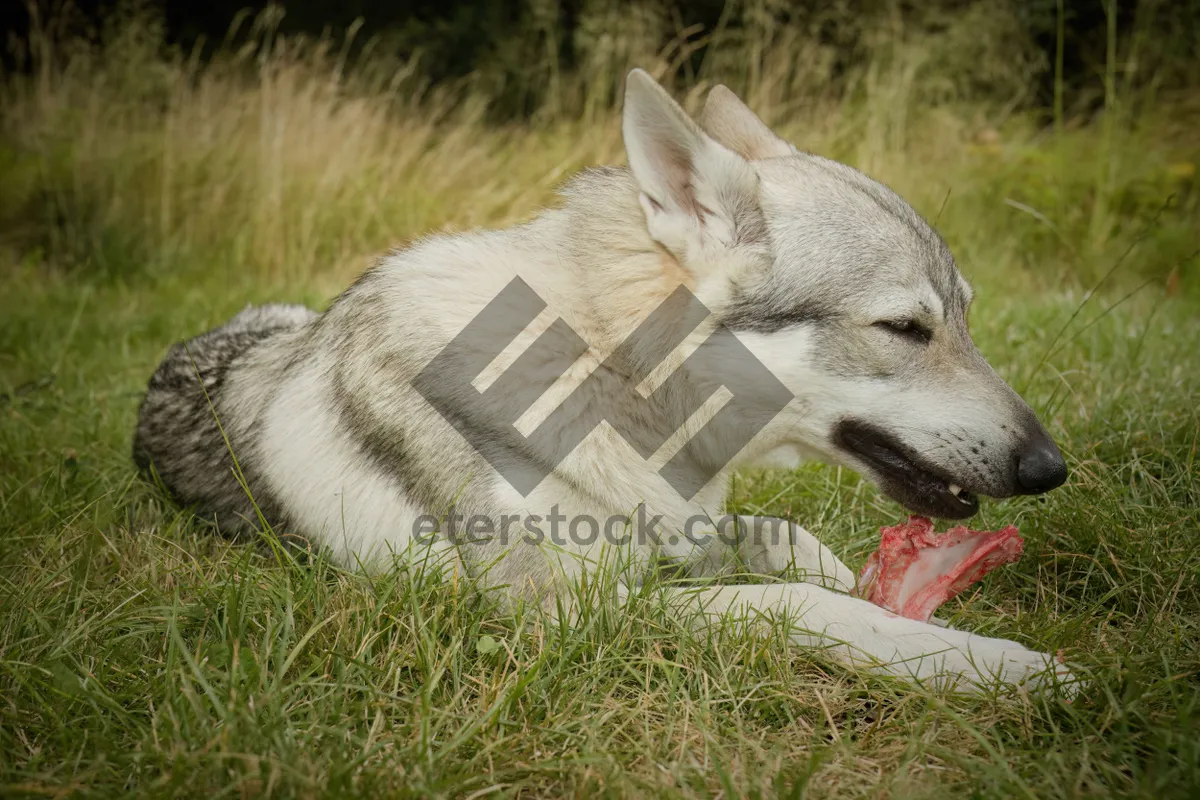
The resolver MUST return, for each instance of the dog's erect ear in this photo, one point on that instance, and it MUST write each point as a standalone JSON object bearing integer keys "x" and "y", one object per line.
{"x": 731, "y": 122}
{"x": 696, "y": 193}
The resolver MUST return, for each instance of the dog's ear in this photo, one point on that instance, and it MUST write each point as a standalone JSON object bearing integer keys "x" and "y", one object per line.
{"x": 696, "y": 194}
{"x": 731, "y": 122}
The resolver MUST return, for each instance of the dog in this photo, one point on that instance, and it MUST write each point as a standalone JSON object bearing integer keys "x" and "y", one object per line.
{"x": 437, "y": 388}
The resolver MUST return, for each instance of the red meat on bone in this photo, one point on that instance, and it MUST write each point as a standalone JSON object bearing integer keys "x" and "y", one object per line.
{"x": 916, "y": 570}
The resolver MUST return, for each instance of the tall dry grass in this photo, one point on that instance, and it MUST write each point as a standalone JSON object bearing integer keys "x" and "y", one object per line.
{"x": 285, "y": 158}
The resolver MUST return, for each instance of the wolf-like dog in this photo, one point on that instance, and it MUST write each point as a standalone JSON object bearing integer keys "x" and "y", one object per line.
{"x": 322, "y": 424}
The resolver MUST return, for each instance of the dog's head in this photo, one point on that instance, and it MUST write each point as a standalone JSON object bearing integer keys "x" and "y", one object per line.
{"x": 843, "y": 291}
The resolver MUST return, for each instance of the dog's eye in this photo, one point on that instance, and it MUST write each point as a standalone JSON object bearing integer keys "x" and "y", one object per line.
{"x": 908, "y": 328}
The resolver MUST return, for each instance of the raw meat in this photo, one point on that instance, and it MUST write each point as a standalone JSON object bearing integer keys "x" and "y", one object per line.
{"x": 916, "y": 570}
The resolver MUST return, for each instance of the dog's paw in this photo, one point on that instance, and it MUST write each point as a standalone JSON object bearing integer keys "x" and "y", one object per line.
{"x": 948, "y": 658}
{"x": 1057, "y": 676}
{"x": 989, "y": 663}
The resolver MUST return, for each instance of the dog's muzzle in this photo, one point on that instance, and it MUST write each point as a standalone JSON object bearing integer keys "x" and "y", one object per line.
{"x": 925, "y": 488}
{"x": 904, "y": 475}
{"x": 1040, "y": 465}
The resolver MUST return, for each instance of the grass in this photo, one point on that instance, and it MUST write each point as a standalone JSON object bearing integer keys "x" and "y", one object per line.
{"x": 149, "y": 198}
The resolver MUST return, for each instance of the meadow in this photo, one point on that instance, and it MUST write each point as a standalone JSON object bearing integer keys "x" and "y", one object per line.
{"x": 149, "y": 194}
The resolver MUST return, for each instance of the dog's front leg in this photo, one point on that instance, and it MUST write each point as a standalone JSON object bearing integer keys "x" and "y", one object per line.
{"x": 863, "y": 635}
{"x": 772, "y": 546}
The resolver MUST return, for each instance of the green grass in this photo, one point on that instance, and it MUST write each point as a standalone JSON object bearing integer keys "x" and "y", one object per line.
{"x": 142, "y": 656}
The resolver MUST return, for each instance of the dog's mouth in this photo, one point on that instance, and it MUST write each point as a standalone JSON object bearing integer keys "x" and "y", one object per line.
{"x": 903, "y": 475}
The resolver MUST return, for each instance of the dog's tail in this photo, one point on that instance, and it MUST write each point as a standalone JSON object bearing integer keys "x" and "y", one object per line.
{"x": 179, "y": 434}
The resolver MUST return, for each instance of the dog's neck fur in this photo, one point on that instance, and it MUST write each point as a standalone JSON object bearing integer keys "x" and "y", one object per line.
{"x": 612, "y": 255}
{"x": 625, "y": 274}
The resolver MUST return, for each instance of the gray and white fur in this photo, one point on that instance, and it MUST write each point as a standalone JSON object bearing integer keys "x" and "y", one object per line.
{"x": 830, "y": 279}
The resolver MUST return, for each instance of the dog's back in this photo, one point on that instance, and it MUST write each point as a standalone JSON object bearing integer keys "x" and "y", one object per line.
{"x": 179, "y": 436}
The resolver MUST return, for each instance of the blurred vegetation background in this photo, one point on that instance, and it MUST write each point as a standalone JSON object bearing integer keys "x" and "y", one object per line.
{"x": 1046, "y": 136}
{"x": 519, "y": 51}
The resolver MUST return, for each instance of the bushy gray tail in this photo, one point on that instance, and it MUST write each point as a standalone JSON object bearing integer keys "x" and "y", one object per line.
{"x": 178, "y": 436}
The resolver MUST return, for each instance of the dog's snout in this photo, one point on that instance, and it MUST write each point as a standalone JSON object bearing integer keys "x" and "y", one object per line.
{"x": 1040, "y": 465}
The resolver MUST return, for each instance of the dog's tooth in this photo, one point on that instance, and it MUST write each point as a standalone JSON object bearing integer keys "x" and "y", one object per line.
{"x": 955, "y": 489}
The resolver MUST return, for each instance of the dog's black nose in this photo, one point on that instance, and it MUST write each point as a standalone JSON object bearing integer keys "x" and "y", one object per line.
{"x": 1040, "y": 466}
